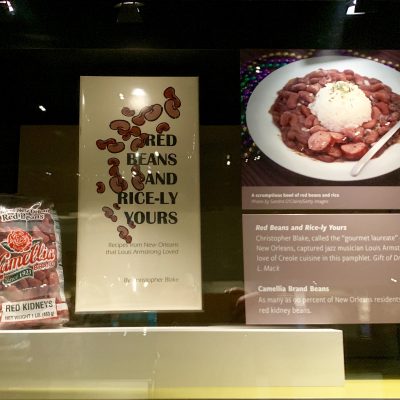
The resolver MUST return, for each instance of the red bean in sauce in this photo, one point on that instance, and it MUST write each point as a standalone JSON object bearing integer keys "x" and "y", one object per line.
{"x": 290, "y": 112}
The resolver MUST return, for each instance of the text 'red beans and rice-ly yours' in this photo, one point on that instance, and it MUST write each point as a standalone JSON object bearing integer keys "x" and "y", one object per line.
{"x": 31, "y": 276}
{"x": 303, "y": 132}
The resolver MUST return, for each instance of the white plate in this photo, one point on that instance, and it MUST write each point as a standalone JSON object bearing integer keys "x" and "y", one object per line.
{"x": 267, "y": 136}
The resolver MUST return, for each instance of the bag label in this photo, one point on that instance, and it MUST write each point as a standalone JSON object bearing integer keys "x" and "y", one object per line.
{"x": 28, "y": 310}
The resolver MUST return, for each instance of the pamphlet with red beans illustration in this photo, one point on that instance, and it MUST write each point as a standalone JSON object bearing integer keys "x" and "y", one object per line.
{"x": 139, "y": 201}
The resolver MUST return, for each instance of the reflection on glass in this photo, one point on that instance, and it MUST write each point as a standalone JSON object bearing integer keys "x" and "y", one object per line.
{"x": 139, "y": 99}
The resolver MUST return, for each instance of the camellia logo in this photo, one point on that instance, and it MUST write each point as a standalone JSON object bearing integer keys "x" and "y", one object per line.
{"x": 24, "y": 255}
{"x": 19, "y": 241}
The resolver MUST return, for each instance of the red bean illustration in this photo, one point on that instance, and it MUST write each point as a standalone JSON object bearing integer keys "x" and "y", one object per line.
{"x": 153, "y": 113}
{"x": 109, "y": 213}
{"x": 113, "y": 161}
{"x": 113, "y": 171}
{"x": 122, "y": 127}
{"x": 103, "y": 144}
{"x": 171, "y": 110}
{"x": 136, "y": 144}
{"x": 118, "y": 184}
{"x": 135, "y": 131}
{"x": 101, "y": 187}
{"x": 169, "y": 93}
{"x": 132, "y": 225}
{"x": 138, "y": 178}
{"x": 127, "y": 112}
{"x": 162, "y": 127}
{"x": 140, "y": 119}
{"x": 128, "y": 239}
{"x": 123, "y": 231}
{"x": 116, "y": 147}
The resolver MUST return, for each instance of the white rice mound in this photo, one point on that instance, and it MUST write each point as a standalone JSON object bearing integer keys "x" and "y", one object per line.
{"x": 340, "y": 105}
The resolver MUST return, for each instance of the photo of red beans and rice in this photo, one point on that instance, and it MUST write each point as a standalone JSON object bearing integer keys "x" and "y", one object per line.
{"x": 335, "y": 114}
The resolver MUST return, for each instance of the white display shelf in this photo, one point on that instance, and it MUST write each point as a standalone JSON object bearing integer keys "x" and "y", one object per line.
{"x": 126, "y": 363}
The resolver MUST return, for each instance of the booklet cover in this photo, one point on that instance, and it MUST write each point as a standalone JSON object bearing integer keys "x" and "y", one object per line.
{"x": 139, "y": 195}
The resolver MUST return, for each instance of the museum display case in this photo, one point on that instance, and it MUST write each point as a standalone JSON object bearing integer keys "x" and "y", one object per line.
{"x": 180, "y": 213}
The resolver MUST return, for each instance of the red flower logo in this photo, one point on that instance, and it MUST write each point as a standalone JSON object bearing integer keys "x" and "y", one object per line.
{"x": 19, "y": 240}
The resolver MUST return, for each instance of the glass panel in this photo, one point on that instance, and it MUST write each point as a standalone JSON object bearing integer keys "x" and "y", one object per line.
{"x": 45, "y": 49}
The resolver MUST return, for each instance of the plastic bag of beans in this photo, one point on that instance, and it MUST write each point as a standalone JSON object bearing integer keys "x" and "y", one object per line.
{"x": 31, "y": 276}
